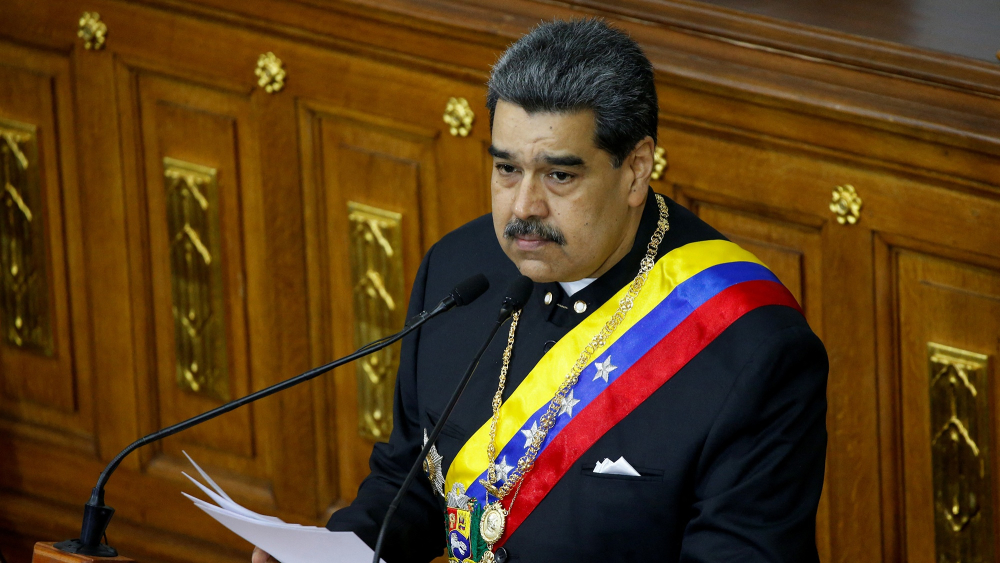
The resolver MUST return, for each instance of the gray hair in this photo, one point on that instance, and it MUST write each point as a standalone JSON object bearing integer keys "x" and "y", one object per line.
{"x": 565, "y": 66}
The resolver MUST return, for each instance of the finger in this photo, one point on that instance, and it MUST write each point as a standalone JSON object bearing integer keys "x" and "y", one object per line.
{"x": 260, "y": 556}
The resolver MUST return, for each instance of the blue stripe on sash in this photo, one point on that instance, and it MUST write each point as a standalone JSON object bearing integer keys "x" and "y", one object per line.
{"x": 634, "y": 344}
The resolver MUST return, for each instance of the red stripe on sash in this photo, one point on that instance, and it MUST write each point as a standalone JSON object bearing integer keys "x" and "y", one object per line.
{"x": 634, "y": 386}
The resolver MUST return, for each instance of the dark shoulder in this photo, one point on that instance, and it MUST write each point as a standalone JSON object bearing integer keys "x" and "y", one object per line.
{"x": 686, "y": 227}
{"x": 777, "y": 326}
{"x": 776, "y": 335}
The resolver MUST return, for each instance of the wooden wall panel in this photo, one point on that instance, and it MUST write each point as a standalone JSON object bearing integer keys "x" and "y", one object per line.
{"x": 199, "y": 126}
{"x": 171, "y": 109}
{"x": 390, "y": 164}
{"x": 377, "y": 139}
{"x": 952, "y": 301}
{"x": 171, "y": 118}
{"x": 386, "y": 167}
{"x": 45, "y": 389}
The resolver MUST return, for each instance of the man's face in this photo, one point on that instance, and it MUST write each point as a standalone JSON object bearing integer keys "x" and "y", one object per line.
{"x": 561, "y": 211}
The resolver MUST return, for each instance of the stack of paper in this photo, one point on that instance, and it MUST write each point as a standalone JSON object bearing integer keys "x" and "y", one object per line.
{"x": 288, "y": 543}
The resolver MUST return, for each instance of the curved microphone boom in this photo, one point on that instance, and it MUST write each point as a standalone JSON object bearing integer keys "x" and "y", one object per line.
{"x": 97, "y": 515}
{"x": 467, "y": 291}
{"x": 516, "y": 296}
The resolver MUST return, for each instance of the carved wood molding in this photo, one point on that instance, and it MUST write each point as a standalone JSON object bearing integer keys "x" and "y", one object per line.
{"x": 196, "y": 277}
{"x": 479, "y": 22}
{"x": 911, "y": 93}
{"x": 960, "y": 446}
{"x": 376, "y": 241}
{"x": 805, "y": 40}
{"x": 24, "y": 284}
{"x": 945, "y": 99}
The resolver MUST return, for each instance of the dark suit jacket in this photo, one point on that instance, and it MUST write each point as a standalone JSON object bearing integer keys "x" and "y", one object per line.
{"x": 731, "y": 449}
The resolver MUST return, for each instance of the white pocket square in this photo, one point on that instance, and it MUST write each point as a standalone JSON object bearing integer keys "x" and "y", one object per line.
{"x": 620, "y": 467}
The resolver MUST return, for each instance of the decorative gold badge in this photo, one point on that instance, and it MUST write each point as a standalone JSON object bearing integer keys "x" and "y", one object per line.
{"x": 432, "y": 467}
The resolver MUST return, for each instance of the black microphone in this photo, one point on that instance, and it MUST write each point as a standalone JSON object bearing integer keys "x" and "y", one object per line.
{"x": 517, "y": 294}
{"x": 464, "y": 293}
{"x": 97, "y": 515}
{"x": 467, "y": 291}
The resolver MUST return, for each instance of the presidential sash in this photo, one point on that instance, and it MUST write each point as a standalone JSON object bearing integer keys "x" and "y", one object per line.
{"x": 691, "y": 295}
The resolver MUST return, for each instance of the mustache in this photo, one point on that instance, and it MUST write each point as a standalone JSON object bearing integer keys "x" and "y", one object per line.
{"x": 517, "y": 227}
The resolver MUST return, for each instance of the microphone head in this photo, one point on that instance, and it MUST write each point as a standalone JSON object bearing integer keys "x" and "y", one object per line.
{"x": 518, "y": 293}
{"x": 470, "y": 289}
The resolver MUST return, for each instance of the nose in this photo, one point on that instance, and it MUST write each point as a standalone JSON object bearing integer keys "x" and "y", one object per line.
{"x": 530, "y": 199}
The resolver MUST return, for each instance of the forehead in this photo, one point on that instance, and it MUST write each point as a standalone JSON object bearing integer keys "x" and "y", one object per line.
{"x": 523, "y": 134}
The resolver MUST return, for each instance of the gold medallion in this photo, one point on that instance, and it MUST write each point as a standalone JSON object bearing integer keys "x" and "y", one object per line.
{"x": 488, "y": 557}
{"x": 492, "y": 523}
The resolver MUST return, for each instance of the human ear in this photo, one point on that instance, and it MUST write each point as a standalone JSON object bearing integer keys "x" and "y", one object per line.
{"x": 641, "y": 161}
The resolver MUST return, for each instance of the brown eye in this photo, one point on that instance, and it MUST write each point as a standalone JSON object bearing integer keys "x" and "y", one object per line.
{"x": 506, "y": 168}
{"x": 562, "y": 176}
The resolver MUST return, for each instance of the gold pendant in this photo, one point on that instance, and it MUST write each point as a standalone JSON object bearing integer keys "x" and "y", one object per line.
{"x": 493, "y": 520}
{"x": 488, "y": 557}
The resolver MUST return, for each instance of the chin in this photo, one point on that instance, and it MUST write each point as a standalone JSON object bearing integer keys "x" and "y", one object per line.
{"x": 538, "y": 271}
{"x": 535, "y": 265}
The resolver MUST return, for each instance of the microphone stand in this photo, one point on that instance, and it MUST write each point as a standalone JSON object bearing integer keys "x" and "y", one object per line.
{"x": 506, "y": 311}
{"x": 97, "y": 515}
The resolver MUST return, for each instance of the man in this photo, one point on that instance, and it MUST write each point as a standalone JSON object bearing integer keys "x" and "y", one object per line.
{"x": 650, "y": 344}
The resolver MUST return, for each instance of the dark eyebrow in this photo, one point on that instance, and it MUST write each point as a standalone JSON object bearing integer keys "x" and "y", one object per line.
{"x": 570, "y": 160}
{"x": 497, "y": 153}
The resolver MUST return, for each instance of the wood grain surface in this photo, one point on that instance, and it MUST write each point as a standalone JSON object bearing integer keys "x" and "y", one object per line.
{"x": 761, "y": 119}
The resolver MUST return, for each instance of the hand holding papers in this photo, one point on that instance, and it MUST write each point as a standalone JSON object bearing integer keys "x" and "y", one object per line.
{"x": 288, "y": 543}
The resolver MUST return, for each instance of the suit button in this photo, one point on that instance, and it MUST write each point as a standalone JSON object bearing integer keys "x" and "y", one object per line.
{"x": 501, "y": 555}
{"x": 548, "y": 298}
{"x": 548, "y": 345}
{"x": 580, "y": 307}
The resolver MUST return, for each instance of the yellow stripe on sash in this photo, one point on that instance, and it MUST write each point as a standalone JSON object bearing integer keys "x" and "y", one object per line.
{"x": 541, "y": 384}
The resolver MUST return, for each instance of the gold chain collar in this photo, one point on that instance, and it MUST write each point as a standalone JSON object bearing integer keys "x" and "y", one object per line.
{"x": 597, "y": 343}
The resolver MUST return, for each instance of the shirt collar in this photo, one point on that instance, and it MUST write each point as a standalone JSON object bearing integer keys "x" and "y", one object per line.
{"x": 567, "y": 311}
{"x": 572, "y": 287}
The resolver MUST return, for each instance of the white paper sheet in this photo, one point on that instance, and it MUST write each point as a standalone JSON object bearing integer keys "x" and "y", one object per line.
{"x": 288, "y": 543}
{"x": 207, "y": 479}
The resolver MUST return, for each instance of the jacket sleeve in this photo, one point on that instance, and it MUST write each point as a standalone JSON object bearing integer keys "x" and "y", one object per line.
{"x": 416, "y": 532}
{"x": 760, "y": 474}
